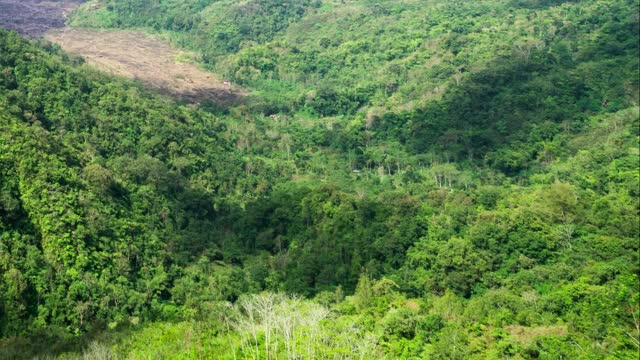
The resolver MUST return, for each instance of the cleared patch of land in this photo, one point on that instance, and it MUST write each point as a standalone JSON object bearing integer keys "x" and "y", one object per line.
{"x": 150, "y": 60}
{"x": 33, "y": 18}
{"x": 526, "y": 335}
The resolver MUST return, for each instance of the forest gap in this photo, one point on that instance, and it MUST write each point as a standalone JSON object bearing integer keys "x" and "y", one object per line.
{"x": 34, "y": 18}
{"x": 152, "y": 61}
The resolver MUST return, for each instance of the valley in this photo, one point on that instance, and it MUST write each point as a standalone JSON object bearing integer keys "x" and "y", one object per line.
{"x": 319, "y": 179}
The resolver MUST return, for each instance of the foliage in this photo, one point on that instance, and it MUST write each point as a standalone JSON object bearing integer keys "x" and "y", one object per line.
{"x": 425, "y": 179}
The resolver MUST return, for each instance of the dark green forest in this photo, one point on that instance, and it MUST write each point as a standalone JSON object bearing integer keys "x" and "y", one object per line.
{"x": 414, "y": 179}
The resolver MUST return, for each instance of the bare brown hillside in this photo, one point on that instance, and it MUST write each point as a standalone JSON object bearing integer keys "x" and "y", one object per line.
{"x": 35, "y": 17}
{"x": 125, "y": 53}
{"x": 146, "y": 58}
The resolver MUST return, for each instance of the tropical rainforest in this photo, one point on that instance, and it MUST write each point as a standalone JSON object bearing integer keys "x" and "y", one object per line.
{"x": 408, "y": 179}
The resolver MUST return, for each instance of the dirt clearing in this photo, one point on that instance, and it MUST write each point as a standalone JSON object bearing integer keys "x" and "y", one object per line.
{"x": 526, "y": 335}
{"x": 152, "y": 61}
{"x": 35, "y": 17}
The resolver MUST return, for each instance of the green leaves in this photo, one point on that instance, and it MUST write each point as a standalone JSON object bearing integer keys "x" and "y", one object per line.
{"x": 464, "y": 172}
{"x": 458, "y": 266}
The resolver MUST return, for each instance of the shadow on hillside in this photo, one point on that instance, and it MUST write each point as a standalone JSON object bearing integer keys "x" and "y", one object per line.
{"x": 538, "y": 4}
{"x": 522, "y": 99}
{"x": 44, "y": 345}
{"x": 222, "y": 98}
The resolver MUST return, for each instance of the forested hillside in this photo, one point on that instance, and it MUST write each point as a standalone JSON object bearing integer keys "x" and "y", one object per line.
{"x": 409, "y": 180}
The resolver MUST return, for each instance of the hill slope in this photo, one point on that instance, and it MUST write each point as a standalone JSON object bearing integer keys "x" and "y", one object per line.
{"x": 336, "y": 58}
{"x": 497, "y": 218}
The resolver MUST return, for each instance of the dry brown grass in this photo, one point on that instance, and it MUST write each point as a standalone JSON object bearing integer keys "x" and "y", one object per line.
{"x": 412, "y": 305}
{"x": 525, "y": 335}
{"x": 148, "y": 59}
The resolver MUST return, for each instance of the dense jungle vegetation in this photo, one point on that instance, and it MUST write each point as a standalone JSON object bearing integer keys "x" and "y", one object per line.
{"x": 410, "y": 179}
